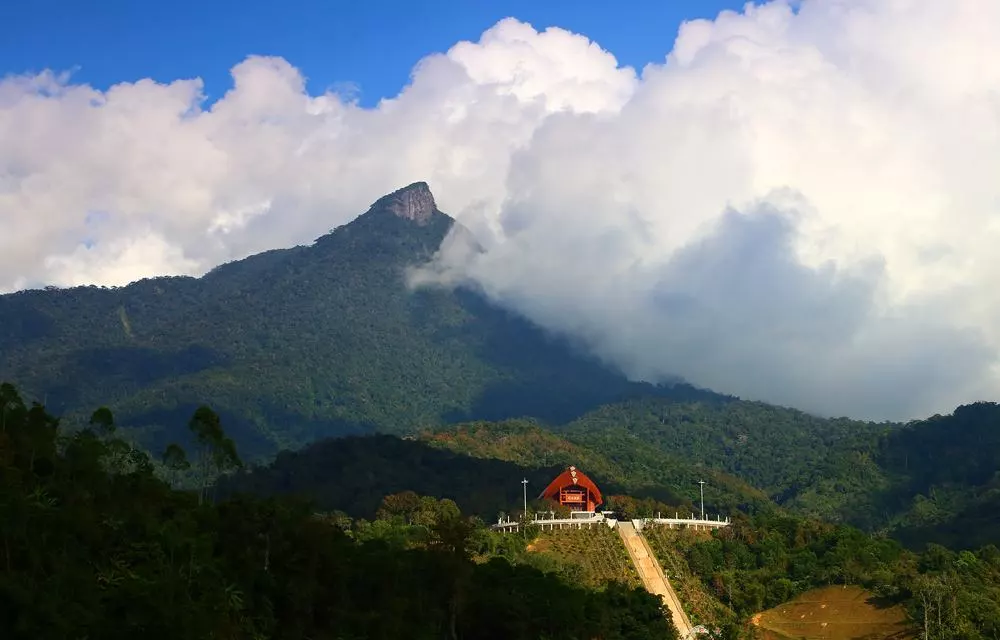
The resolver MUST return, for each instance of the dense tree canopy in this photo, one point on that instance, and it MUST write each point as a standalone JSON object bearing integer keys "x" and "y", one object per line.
{"x": 94, "y": 545}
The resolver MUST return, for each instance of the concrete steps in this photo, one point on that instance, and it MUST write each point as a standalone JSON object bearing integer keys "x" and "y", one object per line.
{"x": 652, "y": 575}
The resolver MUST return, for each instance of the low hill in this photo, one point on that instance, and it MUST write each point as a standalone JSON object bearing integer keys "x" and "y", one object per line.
{"x": 641, "y": 469}
{"x": 480, "y": 466}
{"x": 353, "y": 474}
{"x": 814, "y": 465}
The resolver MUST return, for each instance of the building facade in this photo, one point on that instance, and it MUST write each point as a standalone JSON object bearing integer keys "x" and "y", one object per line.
{"x": 573, "y": 489}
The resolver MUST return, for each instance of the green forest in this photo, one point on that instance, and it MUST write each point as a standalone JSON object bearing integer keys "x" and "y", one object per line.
{"x": 294, "y": 346}
{"x": 97, "y": 545}
{"x": 763, "y": 561}
{"x": 358, "y": 425}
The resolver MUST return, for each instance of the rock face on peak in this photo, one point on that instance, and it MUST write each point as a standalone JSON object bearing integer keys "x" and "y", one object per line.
{"x": 414, "y": 202}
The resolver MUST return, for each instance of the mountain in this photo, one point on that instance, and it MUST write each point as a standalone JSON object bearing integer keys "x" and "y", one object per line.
{"x": 294, "y": 345}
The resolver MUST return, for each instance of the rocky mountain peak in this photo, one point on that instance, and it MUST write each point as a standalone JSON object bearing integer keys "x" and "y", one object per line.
{"x": 414, "y": 202}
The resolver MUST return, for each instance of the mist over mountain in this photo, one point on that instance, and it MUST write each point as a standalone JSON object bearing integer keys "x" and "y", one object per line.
{"x": 369, "y": 330}
{"x": 796, "y": 205}
{"x": 257, "y": 380}
{"x": 294, "y": 345}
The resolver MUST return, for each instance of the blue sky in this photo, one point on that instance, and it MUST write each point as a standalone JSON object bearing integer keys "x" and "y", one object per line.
{"x": 373, "y": 44}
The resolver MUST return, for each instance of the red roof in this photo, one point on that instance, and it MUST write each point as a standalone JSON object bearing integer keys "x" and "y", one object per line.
{"x": 571, "y": 477}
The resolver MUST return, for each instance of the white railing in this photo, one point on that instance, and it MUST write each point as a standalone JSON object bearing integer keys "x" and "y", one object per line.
{"x": 547, "y": 520}
{"x": 677, "y": 521}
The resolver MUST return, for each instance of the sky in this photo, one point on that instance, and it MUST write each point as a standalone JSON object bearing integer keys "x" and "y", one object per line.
{"x": 369, "y": 47}
{"x": 792, "y": 202}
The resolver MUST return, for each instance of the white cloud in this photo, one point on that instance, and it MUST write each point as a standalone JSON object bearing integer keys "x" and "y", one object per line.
{"x": 797, "y": 205}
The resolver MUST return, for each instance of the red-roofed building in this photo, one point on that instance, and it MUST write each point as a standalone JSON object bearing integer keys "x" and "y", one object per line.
{"x": 573, "y": 489}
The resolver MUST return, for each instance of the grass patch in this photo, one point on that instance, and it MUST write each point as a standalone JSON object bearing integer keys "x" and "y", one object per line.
{"x": 834, "y": 613}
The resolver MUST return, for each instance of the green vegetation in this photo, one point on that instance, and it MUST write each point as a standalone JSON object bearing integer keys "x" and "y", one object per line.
{"x": 946, "y": 473}
{"x": 764, "y": 561}
{"x": 93, "y": 544}
{"x": 588, "y": 557}
{"x": 479, "y": 466}
{"x": 935, "y": 480}
{"x": 786, "y": 453}
{"x": 296, "y": 345}
{"x": 628, "y": 466}
{"x": 353, "y": 474}
{"x": 700, "y": 602}
{"x": 723, "y": 579}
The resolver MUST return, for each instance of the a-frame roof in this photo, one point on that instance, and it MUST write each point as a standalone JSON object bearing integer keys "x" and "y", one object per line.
{"x": 571, "y": 477}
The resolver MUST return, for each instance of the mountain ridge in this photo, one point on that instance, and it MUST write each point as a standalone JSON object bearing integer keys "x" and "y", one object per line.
{"x": 297, "y": 344}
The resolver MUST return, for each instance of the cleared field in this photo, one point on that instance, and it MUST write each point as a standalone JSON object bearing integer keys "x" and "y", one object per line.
{"x": 834, "y": 613}
{"x": 594, "y": 557}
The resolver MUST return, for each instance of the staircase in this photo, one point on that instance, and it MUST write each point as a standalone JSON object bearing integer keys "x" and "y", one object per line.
{"x": 652, "y": 575}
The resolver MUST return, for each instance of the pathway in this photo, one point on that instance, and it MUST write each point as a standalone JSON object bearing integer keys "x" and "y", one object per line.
{"x": 652, "y": 575}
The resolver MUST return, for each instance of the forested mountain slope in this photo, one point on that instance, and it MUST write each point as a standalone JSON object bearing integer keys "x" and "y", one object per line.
{"x": 294, "y": 345}
{"x": 945, "y": 475}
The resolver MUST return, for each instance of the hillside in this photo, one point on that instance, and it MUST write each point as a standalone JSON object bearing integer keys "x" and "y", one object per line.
{"x": 353, "y": 474}
{"x": 589, "y": 557}
{"x": 294, "y": 345}
{"x": 815, "y": 465}
{"x": 94, "y": 545}
{"x": 640, "y": 469}
{"x": 945, "y": 478}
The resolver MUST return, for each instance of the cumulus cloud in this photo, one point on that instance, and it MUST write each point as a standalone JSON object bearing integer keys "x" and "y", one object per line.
{"x": 799, "y": 204}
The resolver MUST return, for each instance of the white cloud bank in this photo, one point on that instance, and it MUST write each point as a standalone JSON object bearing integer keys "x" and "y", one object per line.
{"x": 800, "y": 204}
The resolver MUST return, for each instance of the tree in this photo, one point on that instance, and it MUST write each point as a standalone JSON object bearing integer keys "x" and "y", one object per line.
{"x": 175, "y": 460}
{"x": 218, "y": 452}
{"x": 10, "y": 405}
{"x": 103, "y": 421}
{"x": 402, "y": 505}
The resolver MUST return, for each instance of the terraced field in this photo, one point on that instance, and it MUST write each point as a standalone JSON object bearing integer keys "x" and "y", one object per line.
{"x": 592, "y": 557}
